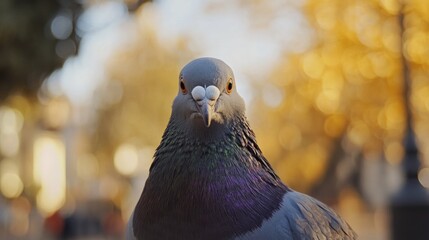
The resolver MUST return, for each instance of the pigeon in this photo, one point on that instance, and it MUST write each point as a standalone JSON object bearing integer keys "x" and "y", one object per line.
{"x": 210, "y": 180}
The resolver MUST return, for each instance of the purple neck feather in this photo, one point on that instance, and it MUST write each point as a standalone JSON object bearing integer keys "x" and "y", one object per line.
{"x": 207, "y": 190}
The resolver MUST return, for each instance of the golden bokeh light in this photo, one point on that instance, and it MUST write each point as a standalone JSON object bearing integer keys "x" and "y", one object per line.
{"x": 391, "y": 116}
{"x": 312, "y": 64}
{"x": 126, "y": 159}
{"x": 358, "y": 133}
{"x": 417, "y": 46}
{"x": 420, "y": 99}
{"x": 328, "y": 101}
{"x": 11, "y": 185}
{"x": 334, "y": 125}
{"x": 49, "y": 172}
{"x": 391, "y": 6}
{"x": 11, "y": 122}
{"x": 325, "y": 16}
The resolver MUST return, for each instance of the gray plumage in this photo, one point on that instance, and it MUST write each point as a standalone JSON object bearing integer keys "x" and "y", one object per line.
{"x": 210, "y": 180}
{"x": 302, "y": 217}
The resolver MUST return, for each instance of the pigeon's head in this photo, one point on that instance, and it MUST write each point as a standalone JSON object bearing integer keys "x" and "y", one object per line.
{"x": 207, "y": 94}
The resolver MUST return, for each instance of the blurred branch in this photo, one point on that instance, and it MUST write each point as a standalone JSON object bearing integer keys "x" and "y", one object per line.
{"x": 405, "y": 74}
{"x": 411, "y": 164}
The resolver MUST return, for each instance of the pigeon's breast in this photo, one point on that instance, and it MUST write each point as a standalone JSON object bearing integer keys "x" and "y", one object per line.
{"x": 205, "y": 196}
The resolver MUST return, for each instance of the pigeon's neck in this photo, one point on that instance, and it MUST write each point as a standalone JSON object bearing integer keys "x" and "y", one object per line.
{"x": 218, "y": 188}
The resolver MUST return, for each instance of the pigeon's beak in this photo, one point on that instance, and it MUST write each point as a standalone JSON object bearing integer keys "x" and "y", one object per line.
{"x": 206, "y": 98}
{"x": 206, "y": 108}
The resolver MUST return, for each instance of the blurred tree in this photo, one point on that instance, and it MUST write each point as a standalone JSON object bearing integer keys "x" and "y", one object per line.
{"x": 30, "y": 48}
{"x": 343, "y": 98}
{"x": 143, "y": 70}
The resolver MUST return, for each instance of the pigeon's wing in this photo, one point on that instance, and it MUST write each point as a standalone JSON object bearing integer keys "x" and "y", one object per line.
{"x": 310, "y": 219}
{"x": 129, "y": 232}
{"x": 302, "y": 217}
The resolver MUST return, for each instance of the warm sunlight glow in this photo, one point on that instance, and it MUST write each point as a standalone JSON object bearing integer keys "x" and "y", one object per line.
{"x": 11, "y": 185}
{"x": 49, "y": 173}
{"x": 11, "y": 122}
{"x": 126, "y": 159}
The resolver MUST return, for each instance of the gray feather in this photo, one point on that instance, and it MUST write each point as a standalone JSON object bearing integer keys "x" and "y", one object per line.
{"x": 302, "y": 217}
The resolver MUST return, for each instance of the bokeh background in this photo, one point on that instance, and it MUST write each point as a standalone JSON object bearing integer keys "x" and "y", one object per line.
{"x": 86, "y": 88}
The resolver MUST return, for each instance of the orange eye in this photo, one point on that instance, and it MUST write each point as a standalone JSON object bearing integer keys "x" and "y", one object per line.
{"x": 182, "y": 86}
{"x": 229, "y": 86}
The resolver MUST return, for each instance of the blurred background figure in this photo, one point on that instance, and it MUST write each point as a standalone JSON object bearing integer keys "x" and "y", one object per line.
{"x": 86, "y": 89}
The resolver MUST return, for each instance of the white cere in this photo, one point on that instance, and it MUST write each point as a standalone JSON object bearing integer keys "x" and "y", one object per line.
{"x": 198, "y": 93}
{"x": 212, "y": 92}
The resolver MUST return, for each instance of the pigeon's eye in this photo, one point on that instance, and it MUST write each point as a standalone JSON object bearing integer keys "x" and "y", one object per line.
{"x": 182, "y": 86}
{"x": 229, "y": 86}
